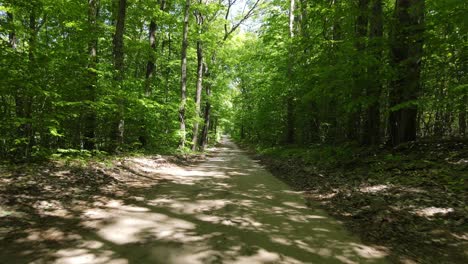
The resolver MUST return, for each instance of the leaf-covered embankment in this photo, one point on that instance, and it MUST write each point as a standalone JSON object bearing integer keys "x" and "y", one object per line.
{"x": 412, "y": 198}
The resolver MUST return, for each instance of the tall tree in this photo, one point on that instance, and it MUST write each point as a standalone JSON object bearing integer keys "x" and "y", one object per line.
{"x": 206, "y": 115}
{"x": 23, "y": 99}
{"x": 374, "y": 87}
{"x": 290, "y": 128}
{"x": 118, "y": 39}
{"x": 359, "y": 71}
{"x": 90, "y": 114}
{"x": 406, "y": 54}
{"x": 118, "y": 53}
{"x": 151, "y": 64}
{"x": 183, "y": 74}
{"x": 199, "y": 88}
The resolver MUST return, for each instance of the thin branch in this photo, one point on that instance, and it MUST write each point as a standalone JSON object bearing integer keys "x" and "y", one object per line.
{"x": 227, "y": 32}
{"x": 226, "y": 17}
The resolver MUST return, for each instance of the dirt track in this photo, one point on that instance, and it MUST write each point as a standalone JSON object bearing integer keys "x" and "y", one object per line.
{"x": 227, "y": 209}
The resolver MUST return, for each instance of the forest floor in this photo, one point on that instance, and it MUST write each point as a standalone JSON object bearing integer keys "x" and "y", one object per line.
{"x": 412, "y": 199}
{"x": 155, "y": 209}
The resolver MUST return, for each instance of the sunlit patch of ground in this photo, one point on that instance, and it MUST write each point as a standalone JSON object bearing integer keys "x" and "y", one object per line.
{"x": 148, "y": 210}
{"x": 431, "y": 211}
{"x": 412, "y": 199}
{"x": 374, "y": 189}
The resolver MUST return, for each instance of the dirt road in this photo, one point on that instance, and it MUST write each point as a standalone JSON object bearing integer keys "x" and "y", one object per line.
{"x": 227, "y": 209}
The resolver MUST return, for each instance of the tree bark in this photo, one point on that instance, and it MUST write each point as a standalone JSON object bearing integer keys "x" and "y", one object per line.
{"x": 292, "y": 6}
{"x": 207, "y": 119}
{"x": 406, "y": 55}
{"x": 150, "y": 66}
{"x": 198, "y": 93}
{"x": 23, "y": 101}
{"x": 199, "y": 88}
{"x": 183, "y": 75}
{"x": 290, "y": 117}
{"x": 359, "y": 72}
{"x": 462, "y": 116}
{"x": 207, "y": 111}
{"x": 118, "y": 39}
{"x": 374, "y": 88}
{"x": 118, "y": 52}
{"x": 90, "y": 115}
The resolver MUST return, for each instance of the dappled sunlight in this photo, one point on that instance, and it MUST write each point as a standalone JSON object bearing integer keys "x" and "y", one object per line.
{"x": 144, "y": 165}
{"x": 369, "y": 252}
{"x": 263, "y": 256}
{"x": 432, "y": 211}
{"x": 189, "y": 177}
{"x": 293, "y": 192}
{"x": 126, "y": 224}
{"x": 51, "y": 208}
{"x": 85, "y": 256}
{"x": 185, "y": 207}
{"x": 295, "y": 205}
{"x": 224, "y": 210}
{"x": 51, "y": 234}
{"x": 374, "y": 189}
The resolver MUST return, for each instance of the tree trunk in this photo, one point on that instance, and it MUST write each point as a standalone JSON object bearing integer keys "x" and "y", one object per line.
{"x": 291, "y": 17}
{"x": 290, "y": 126}
{"x": 333, "y": 132}
{"x": 118, "y": 39}
{"x": 90, "y": 115}
{"x": 462, "y": 116}
{"x": 183, "y": 75}
{"x": 150, "y": 66}
{"x": 23, "y": 101}
{"x": 198, "y": 93}
{"x": 374, "y": 88}
{"x": 207, "y": 115}
{"x": 406, "y": 55}
{"x": 359, "y": 72}
{"x": 118, "y": 52}
{"x": 207, "y": 118}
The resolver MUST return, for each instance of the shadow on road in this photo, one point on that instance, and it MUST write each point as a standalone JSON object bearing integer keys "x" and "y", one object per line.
{"x": 225, "y": 210}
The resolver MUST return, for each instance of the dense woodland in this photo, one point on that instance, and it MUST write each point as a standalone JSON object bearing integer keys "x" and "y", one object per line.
{"x": 122, "y": 75}
{"x": 368, "y": 72}
{"x": 120, "y": 122}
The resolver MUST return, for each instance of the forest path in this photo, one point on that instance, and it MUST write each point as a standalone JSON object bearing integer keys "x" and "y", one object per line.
{"x": 227, "y": 209}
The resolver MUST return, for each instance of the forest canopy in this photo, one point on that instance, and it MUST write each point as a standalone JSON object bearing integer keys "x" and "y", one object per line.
{"x": 122, "y": 75}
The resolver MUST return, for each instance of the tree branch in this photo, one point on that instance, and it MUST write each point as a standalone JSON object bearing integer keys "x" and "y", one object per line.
{"x": 227, "y": 32}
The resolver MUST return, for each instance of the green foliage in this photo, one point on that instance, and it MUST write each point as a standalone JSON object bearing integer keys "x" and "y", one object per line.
{"x": 322, "y": 82}
{"x": 52, "y": 95}
{"x": 266, "y": 86}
